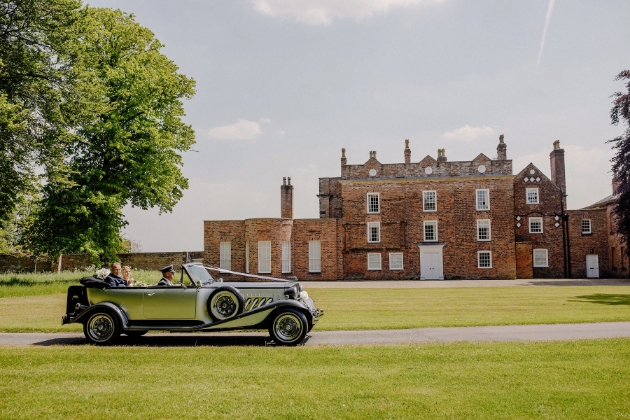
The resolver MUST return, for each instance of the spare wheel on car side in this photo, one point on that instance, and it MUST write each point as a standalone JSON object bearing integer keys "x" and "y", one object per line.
{"x": 225, "y": 302}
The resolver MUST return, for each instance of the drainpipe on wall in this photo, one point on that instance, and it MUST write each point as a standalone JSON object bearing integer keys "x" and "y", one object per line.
{"x": 566, "y": 249}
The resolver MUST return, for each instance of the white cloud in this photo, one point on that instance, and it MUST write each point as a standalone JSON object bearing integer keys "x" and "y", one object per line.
{"x": 281, "y": 132}
{"x": 468, "y": 133}
{"x": 325, "y": 12}
{"x": 240, "y": 130}
{"x": 265, "y": 120}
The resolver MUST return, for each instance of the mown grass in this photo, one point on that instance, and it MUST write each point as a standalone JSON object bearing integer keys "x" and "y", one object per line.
{"x": 365, "y": 309}
{"x": 572, "y": 379}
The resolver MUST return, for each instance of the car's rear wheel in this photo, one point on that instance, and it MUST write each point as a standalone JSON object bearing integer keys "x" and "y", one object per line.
{"x": 102, "y": 328}
{"x": 288, "y": 328}
{"x": 224, "y": 303}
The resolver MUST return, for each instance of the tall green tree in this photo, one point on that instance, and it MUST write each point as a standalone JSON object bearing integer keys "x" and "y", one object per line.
{"x": 621, "y": 161}
{"x": 33, "y": 77}
{"x": 126, "y": 101}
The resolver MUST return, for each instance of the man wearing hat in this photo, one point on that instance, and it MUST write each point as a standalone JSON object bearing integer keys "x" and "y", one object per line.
{"x": 167, "y": 276}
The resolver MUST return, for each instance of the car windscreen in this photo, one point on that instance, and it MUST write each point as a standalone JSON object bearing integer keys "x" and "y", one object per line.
{"x": 199, "y": 274}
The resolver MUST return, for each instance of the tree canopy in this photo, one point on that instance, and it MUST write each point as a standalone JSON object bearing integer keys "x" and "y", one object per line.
{"x": 621, "y": 161}
{"x": 101, "y": 116}
{"x": 33, "y": 40}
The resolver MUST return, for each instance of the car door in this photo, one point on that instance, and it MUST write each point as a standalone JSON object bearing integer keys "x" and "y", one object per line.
{"x": 170, "y": 302}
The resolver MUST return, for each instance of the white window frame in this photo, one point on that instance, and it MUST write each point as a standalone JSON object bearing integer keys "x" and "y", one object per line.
{"x": 424, "y": 226}
{"x": 540, "y": 251}
{"x": 529, "y": 223}
{"x": 314, "y": 256}
{"x": 394, "y": 265}
{"x": 425, "y": 194}
{"x": 286, "y": 257}
{"x": 377, "y": 227}
{"x": 264, "y": 257}
{"x": 480, "y": 223}
{"x": 225, "y": 255}
{"x": 374, "y": 258}
{"x": 527, "y": 197}
{"x": 590, "y": 227}
{"x": 369, "y": 202}
{"x": 479, "y": 258}
{"x": 479, "y": 205}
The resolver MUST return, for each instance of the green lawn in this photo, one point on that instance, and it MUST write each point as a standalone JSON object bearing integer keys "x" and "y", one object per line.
{"x": 456, "y": 380}
{"x": 361, "y": 309}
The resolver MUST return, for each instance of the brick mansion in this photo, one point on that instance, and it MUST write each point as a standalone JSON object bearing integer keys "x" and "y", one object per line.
{"x": 432, "y": 219}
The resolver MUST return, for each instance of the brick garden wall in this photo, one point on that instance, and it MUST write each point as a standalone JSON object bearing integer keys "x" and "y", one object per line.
{"x": 70, "y": 262}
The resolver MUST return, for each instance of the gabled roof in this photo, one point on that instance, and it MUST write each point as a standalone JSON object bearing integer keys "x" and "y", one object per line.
{"x": 525, "y": 173}
{"x": 603, "y": 202}
{"x": 481, "y": 158}
{"x": 428, "y": 161}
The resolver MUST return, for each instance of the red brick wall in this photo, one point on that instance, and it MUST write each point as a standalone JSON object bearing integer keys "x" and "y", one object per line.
{"x": 402, "y": 217}
{"x": 327, "y": 231}
{"x": 286, "y": 201}
{"x": 297, "y": 232}
{"x": 595, "y": 243}
{"x": 549, "y": 203}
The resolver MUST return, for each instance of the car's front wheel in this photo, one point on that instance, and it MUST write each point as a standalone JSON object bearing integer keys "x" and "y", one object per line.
{"x": 102, "y": 328}
{"x": 288, "y": 328}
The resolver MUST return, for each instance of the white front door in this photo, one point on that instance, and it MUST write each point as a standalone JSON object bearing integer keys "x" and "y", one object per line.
{"x": 592, "y": 266}
{"x": 431, "y": 263}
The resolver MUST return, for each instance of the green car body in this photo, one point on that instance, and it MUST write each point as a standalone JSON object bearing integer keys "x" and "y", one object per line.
{"x": 196, "y": 303}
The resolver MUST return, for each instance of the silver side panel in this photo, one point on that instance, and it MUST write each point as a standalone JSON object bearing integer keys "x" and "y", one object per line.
{"x": 245, "y": 321}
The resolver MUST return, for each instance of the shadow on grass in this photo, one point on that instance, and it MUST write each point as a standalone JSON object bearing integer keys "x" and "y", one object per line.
{"x": 176, "y": 340}
{"x": 604, "y": 299}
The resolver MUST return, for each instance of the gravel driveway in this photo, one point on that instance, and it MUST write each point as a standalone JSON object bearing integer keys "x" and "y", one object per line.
{"x": 335, "y": 338}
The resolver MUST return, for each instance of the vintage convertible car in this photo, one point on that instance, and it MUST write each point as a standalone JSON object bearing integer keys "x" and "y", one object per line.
{"x": 197, "y": 303}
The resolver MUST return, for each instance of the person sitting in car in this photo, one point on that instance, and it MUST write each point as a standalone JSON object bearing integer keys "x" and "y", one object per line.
{"x": 126, "y": 273}
{"x": 114, "y": 279}
{"x": 167, "y": 276}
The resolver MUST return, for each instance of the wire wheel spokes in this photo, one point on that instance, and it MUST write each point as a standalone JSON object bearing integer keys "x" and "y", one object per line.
{"x": 288, "y": 327}
{"x": 101, "y": 327}
{"x": 224, "y": 305}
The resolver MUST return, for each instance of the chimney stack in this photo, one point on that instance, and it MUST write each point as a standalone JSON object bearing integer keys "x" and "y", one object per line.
{"x": 286, "y": 199}
{"x": 557, "y": 166}
{"x": 407, "y": 152}
{"x": 501, "y": 149}
{"x": 442, "y": 155}
{"x": 344, "y": 161}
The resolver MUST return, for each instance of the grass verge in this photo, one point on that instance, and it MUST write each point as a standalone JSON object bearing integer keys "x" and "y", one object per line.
{"x": 365, "y": 309}
{"x": 574, "y": 379}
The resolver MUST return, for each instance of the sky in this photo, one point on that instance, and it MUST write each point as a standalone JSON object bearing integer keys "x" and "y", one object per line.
{"x": 283, "y": 85}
